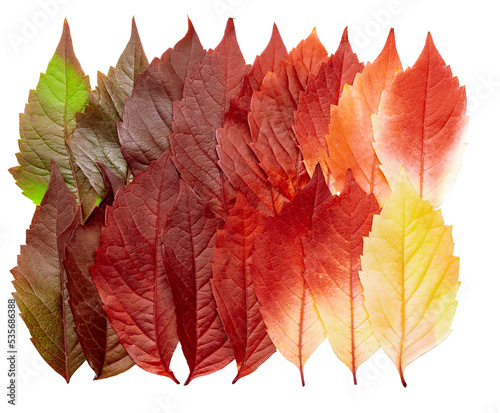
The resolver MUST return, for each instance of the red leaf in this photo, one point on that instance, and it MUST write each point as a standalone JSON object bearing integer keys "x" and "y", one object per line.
{"x": 421, "y": 124}
{"x": 189, "y": 242}
{"x": 100, "y": 344}
{"x": 207, "y": 95}
{"x": 287, "y": 305}
{"x": 271, "y": 117}
{"x": 236, "y": 158}
{"x": 147, "y": 116}
{"x": 332, "y": 251}
{"x": 129, "y": 273}
{"x": 233, "y": 287}
{"x": 312, "y": 117}
{"x": 40, "y": 279}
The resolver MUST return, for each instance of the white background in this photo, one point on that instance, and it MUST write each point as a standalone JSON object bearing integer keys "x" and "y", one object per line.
{"x": 460, "y": 375}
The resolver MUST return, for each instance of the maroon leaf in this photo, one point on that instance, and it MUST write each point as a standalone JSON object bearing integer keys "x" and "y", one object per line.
{"x": 237, "y": 159}
{"x": 207, "y": 95}
{"x": 128, "y": 271}
{"x": 147, "y": 116}
{"x": 233, "y": 287}
{"x": 100, "y": 344}
{"x": 40, "y": 279}
{"x": 189, "y": 241}
{"x": 96, "y": 137}
{"x": 312, "y": 117}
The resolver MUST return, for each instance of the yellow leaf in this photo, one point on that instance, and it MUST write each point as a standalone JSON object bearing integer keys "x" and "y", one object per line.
{"x": 409, "y": 276}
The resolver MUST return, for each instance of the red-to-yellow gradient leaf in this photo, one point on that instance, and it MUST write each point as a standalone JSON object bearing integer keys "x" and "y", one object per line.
{"x": 147, "y": 115}
{"x": 350, "y": 137}
{"x": 206, "y": 98}
{"x": 271, "y": 116}
{"x": 189, "y": 241}
{"x": 99, "y": 342}
{"x": 332, "y": 251}
{"x": 421, "y": 124}
{"x": 40, "y": 278}
{"x": 409, "y": 276}
{"x": 233, "y": 287}
{"x": 236, "y": 158}
{"x": 287, "y": 305}
{"x": 129, "y": 272}
{"x": 312, "y": 117}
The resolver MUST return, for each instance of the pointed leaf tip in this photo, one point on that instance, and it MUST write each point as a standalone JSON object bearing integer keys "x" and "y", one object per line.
{"x": 345, "y": 35}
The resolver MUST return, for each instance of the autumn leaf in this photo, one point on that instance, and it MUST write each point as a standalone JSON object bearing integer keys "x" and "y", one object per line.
{"x": 48, "y": 122}
{"x": 287, "y": 306}
{"x": 312, "y": 117}
{"x": 236, "y": 157}
{"x": 95, "y": 139}
{"x": 40, "y": 279}
{"x": 233, "y": 287}
{"x": 189, "y": 241}
{"x": 409, "y": 276}
{"x": 129, "y": 273}
{"x": 421, "y": 124}
{"x": 271, "y": 117}
{"x": 206, "y": 98}
{"x": 350, "y": 137}
{"x": 332, "y": 250}
{"x": 147, "y": 115}
{"x": 99, "y": 342}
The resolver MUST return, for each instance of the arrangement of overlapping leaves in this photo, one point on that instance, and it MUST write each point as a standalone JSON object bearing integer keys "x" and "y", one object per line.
{"x": 238, "y": 209}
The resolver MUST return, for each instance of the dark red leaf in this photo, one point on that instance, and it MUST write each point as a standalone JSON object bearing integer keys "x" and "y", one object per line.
{"x": 233, "y": 287}
{"x": 207, "y": 95}
{"x": 189, "y": 242}
{"x": 129, "y": 273}
{"x": 147, "y": 116}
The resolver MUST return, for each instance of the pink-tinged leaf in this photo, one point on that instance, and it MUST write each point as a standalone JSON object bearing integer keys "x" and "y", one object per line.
{"x": 271, "y": 117}
{"x": 312, "y": 117}
{"x": 95, "y": 138}
{"x": 287, "y": 305}
{"x": 421, "y": 124}
{"x": 100, "y": 344}
{"x": 40, "y": 279}
{"x": 147, "y": 116}
{"x": 189, "y": 241}
{"x": 350, "y": 137}
{"x": 236, "y": 158}
{"x": 207, "y": 96}
{"x": 332, "y": 251}
{"x": 233, "y": 287}
{"x": 129, "y": 273}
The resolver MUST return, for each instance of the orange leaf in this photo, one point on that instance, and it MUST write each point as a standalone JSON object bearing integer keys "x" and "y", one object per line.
{"x": 350, "y": 135}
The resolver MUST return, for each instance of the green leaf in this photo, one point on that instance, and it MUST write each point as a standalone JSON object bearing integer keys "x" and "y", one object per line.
{"x": 48, "y": 122}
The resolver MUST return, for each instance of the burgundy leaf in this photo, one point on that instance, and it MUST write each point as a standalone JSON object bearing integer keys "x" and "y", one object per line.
{"x": 189, "y": 242}
{"x": 147, "y": 116}
{"x": 207, "y": 96}
{"x": 128, "y": 271}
